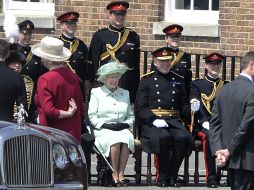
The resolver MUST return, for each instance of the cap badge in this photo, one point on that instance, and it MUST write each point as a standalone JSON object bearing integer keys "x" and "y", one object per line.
{"x": 28, "y": 26}
{"x": 215, "y": 56}
{"x": 164, "y": 52}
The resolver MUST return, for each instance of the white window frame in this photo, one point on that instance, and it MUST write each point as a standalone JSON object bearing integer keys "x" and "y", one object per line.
{"x": 190, "y": 16}
{"x": 29, "y": 8}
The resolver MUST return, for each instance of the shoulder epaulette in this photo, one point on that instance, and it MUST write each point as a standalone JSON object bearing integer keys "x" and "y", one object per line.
{"x": 147, "y": 74}
{"x": 102, "y": 28}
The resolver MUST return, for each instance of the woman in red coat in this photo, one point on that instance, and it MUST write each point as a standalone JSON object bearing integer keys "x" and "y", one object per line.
{"x": 58, "y": 98}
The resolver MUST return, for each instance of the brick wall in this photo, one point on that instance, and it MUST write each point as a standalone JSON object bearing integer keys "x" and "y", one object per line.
{"x": 236, "y": 25}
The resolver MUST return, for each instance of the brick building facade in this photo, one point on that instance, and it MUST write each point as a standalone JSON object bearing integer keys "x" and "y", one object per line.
{"x": 233, "y": 36}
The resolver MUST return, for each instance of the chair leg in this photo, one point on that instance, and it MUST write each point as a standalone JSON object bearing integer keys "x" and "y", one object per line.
{"x": 186, "y": 170}
{"x": 149, "y": 173}
{"x": 196, "y": 173}
{"x": 138, "y": 163}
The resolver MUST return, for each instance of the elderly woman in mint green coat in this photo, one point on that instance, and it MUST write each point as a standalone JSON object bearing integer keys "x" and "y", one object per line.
{"x": 111, "y": 116}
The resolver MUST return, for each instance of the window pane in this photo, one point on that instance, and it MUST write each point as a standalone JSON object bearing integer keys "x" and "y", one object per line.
{"x": 21, "y": 0}
{"x": 182, "y": 4}
{"x": 215, "y": 5}
{"x": 201, "y": 4}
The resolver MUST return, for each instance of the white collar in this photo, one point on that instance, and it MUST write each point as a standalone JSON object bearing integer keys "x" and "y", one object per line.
{"x": 248, "y": 76}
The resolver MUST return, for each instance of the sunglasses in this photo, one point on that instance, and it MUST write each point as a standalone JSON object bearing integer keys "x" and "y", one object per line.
{"x": 71, "y": 22}
{"x": 214, "y": 62}
{"x": 119, "y": 13}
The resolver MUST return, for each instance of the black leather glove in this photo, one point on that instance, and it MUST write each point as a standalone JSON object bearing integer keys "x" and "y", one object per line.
{"x": 115, "y": 127}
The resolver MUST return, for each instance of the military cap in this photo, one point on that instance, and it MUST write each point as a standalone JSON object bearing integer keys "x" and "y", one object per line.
{"x": 68, "y": 17}
{"x": 213, "y": 58}
{"x": 173, "y": 30}
{"x": 164, "y": 53}
{"x": 118, "y": 6}
{"x": 15, "y": 56}
{"x": 26, "y": 26}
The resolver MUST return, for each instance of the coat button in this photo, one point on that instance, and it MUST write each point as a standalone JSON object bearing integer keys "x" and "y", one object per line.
{"x": 157, "y": 85}
{"x": 159, "y": 108}
{"x": 159, "y": 100}
{"x": 155, "y": 78}
{"x": 173, "y": 92}
{"x": 158, "y": 92}
{"x": 173, "y": 100}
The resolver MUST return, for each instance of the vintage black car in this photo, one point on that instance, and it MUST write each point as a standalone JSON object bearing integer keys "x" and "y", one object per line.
{"x": 39, "y": 157}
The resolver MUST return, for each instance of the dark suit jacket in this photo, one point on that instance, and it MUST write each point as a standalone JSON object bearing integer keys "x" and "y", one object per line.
{"x": 12, "y": 88}
{"x": 232, "y": 123}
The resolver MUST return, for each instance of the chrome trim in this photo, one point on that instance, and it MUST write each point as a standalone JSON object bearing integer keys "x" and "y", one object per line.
{"x": 30, "y": 164}
{"x": 63, "y": 186}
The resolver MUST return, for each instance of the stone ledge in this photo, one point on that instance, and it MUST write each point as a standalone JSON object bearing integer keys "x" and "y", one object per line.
{"x": 203, "y": 30}
{"x": 39, "y": 21}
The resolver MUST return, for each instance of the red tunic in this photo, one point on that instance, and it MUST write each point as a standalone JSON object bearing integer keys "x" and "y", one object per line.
{"x": 54, "y": 90}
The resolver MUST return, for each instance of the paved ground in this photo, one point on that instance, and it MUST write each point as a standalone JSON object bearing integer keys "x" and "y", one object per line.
{"x": 143, "y": 186}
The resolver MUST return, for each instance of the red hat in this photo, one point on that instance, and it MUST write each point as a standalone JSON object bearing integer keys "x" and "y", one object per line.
{"x": 173, "y": 29}
{"x": 68, "y": 16}
{"x": 213, "y": 57}
{"x": 164, "y": 53}
{"x": 118, "y": 6}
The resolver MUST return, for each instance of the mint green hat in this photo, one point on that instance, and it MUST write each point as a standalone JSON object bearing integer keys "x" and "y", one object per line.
{"x": 110, "y": 68}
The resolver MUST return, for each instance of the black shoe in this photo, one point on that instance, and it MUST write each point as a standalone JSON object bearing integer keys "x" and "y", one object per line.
{"x": 162, "y": 183}
{"x": 116, "y": 183}
{"x": 124, "y": 182}
{"x": 173, "y": 183}
{"x": 212, "y": 183}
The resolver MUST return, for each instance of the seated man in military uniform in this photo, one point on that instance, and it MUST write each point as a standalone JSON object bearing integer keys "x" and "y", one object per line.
{"x": 161, "y": 102}
{"x": 205, "y": 91}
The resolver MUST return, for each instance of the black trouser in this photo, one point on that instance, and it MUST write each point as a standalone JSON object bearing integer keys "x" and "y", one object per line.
{"x": 182, "y": 140}
{"x": 174, "y": 145}
{"x": 87, "y": 148}
{"x": 209, "y": 159}
{"x": 166, "y": 148}
{"x": 241, "y": 179}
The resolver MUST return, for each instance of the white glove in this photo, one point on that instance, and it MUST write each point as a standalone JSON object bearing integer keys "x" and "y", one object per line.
{"x": 206, "y": 125}
{"x": 160, "y": 123}
{"x": 195, "y": 104}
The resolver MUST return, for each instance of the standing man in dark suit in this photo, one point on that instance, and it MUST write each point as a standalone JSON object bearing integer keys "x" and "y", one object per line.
{"x": 161, "y": 102}
{"x": 120, "y": 44}
{"x": 232, "y": 127}
{"x": 12, "y": 87}
{"x": 182, "y": 62}
{"x": 33, "y": 67}
{"x": 78, "y": 61}
{"x": 205, "y": 91}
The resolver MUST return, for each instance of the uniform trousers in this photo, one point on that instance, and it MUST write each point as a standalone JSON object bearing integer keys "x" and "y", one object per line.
{"x": 174, "y": 145}
{"x": 209, "y": 159}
